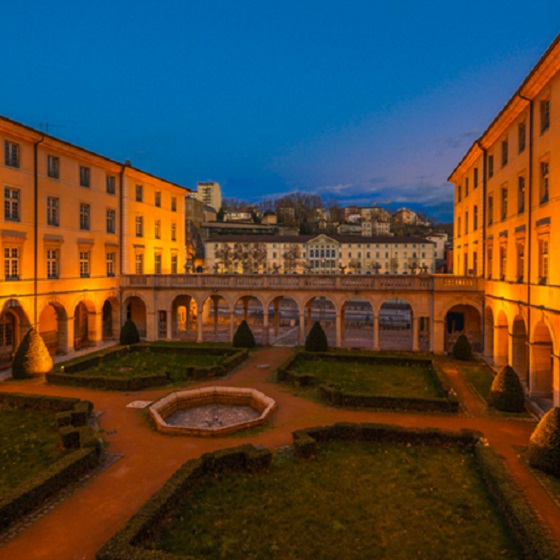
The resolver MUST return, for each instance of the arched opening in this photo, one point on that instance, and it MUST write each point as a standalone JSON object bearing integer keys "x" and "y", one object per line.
{"x": 519, "y": 355}
{"x": 501, "y": 339}
{"x": 136, "y": 310}
{"x": 14, "y": 324}
{"x": 321, "y": 309}
{"x": 489, "y": 334}
{"x": 111, "y": 321}
{"x": 250, "y": 309}
{"x": 463, "y": 319}
{"x": 184, "y": 320}
{"x": 53, "y": 328}
{"x": 357, "y": 323}
{"x": 541, "y": 378}
{"x": 215, "y": 319}
{"x": 395, "y": 325}
{"x": 283, "y": 320}
{"x": 81, "y": 326}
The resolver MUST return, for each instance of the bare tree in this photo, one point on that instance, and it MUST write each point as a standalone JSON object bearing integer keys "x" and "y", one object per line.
{"x": 225, "y": 256}
{"x": 292, "y": 258}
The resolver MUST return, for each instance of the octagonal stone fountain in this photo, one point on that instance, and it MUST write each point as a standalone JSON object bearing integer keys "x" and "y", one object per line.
{"x": 211, "y": 411}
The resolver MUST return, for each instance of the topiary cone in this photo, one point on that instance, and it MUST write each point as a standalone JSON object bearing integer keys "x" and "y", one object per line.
{"x": 462, "y": 348}
{"x": 243, "y": 337}
{"x": 316, "y": 340}
{"x": 506, "y": 392}
{"x": 32, "y": 357}
{"x": 544, "y": 445}
{"x": 129, "y": 333}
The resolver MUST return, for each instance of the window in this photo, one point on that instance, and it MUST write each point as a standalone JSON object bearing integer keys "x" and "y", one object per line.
{"x": 459, "y": 226}
{"x": 7, "y": 330}
{"x": 504, "y": 153}
{"x": 84, "y": 264}
{"x": 521, "y": 136}
{"x": 545, "y": 115}
{"x": 459, "y": 193}
{"x": 11, "y": 204}
{"x": 475, "y": 177}
{"x": 52, "y": 263}
{"x": 467, "y": 186}
{"x": 520, "y": 260}
{"x": 490, "y": 210}
{"x": 503, "y": 211}
{"x": 110, "y": 184}
{"x": 139, "y": 226}
{"x": 466, "y": 223}
{"x": 53, "y": 211}
{"x": 85, "y": 216}
{"x": 139, "y": 263}
{"x": 85, "y": 173}
{"x": 157, "y": 229}
{"x": 158, "y": 198}
{"x": 545, "y": 178}
{"x": 157, "y": 263}
{"x": 111, "y": 259}
{"x": 475, "y": 218}
{"x": 139, "y": 193}
{"x": 11, "y": 154}
{"x": 173, "y": 231}
{"x": 174, "y": 267}
{"x": 11, "y": 263}
{"x": 111, "y": 220}
{"x": 520, "y": 194}
{"x": 53, "y": 167}
{"x": 475, "y": 263}
{"x": 490, "y": 262}
{"x": 543, "y": 261}
{"x": 490, "y": 166}
{"x": 503, "y": 261}
{"x": 173, "y": 204}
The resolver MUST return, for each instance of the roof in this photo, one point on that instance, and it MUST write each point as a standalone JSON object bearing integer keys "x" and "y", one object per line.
{"x": 349, "y": 239}
{"x": 91, "y": 152}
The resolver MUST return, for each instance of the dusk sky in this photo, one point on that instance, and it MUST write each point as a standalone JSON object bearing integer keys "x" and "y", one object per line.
{"x": 364, "y": 101}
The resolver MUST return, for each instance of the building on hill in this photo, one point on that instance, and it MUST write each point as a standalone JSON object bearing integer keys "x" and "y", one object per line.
{"x": 405, "y": 216}
{"x": 210, "y": 193}
{"x": 507, "y": 229}
{"x": 74, "y": 223}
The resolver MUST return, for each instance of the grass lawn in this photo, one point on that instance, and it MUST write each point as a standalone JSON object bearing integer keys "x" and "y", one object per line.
{"x": 355, "y": 500}
{"x": 29, "y": 442}
{"x": 381, "y": 380}
{"x": 148, "y": 363}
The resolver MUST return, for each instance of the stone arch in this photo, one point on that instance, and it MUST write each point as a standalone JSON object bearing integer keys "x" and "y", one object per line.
{"x": 283, "y": 320}
{"x": 84, "y": 324}
{"x": 501, "y": 339}
{"x": 395, "y": 319}
{"x": 463, "y": 319}
{"x": 541, "y": 362}
{"x": 215, "y": 320}
{"x": 489, "y": 334}
{"x": 251, "y": 309}
{"x": 184, "y": 317}
{"x": 519, "y": 346}
{"x": 14, "y": 325}
{"x": 323, "y": 309}
{"x": 135, "y": 309}
{"x": 357, "y": 316}
{"x": 110, "y": 320}
{"x": 53, "y": 327}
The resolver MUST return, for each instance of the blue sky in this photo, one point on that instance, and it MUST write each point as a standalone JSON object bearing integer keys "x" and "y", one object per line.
{"x": 363, "y": 101}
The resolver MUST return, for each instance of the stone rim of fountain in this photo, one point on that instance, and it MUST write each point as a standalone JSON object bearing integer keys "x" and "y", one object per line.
{"x": 178, "y": 400}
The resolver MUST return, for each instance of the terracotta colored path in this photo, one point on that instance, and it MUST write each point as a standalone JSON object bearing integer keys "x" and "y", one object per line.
{"x": 80, "y": 525}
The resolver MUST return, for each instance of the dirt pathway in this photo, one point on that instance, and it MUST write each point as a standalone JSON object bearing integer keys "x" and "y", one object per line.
{"x": 80, "y": 525}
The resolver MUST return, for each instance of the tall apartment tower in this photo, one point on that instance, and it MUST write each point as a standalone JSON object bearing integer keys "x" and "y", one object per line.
{"x": 210, "y": 193}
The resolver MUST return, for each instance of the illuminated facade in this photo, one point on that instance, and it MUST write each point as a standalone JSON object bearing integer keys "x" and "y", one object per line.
{"x": 507, "y": 229}
{"x": 73, "y": 222}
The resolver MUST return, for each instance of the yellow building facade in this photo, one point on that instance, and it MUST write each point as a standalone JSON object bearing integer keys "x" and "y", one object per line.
{"x": 73, "y": 222}
{"x": 507, "y": 229}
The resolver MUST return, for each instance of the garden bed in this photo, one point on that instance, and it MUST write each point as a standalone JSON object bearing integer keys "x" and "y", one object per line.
{"x": 135, "y": 367}
{"x": 45, "y": 444}
{"x": 389, "y": 382}
{"x": 422, "y": 493}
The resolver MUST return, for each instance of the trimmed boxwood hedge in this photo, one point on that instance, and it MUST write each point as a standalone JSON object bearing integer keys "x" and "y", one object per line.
{"x": 335, "y": 397}
{"x": 72, "y": 371}
{"x": 74, "y": 433}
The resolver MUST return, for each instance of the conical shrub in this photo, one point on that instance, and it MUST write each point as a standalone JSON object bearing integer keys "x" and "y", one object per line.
{"x": 506, "y": 393}
{"x": 129, "y": 333}
{"x": 544, "y": 445}
{"x": 32, "y": 357}
{"x": 243, "y": 337}
{"x": 316, "y": 340}
{"x": 462, "y": 348}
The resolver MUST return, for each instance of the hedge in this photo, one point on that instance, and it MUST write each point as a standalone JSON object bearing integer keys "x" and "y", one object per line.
{"x": 71, "y": 415}
{"x": 71, "y": 374}
{"x": 141, "y": 528}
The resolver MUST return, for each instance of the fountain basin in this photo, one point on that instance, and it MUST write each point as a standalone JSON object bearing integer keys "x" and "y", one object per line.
{"x": 211, "y": 411}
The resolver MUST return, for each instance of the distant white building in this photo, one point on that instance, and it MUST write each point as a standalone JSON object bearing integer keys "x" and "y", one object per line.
{"x": 440, "y": 239}
{"x": 375, "y": 227}
{"x": 210, "y": 193}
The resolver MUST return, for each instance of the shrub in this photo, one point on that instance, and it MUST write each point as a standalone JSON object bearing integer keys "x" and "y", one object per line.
{"x": 544, "y": 445}
{"x": 462, "y": 348}
{"x": 506, "y": 393}
{"x": 129, "y": 333}
{"x": 316, "y": 340}
{"x": 243, "y": 337}
{"x": 32, "y": 357}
